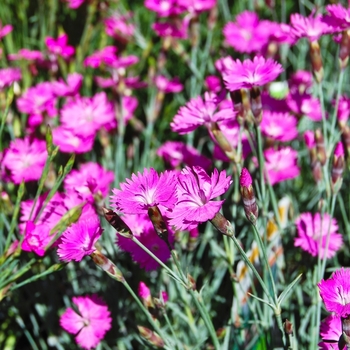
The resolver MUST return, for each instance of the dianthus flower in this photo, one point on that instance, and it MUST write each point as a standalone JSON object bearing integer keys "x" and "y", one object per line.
{"x": 90, "y": 180}
{"x": 312, "y": 27}
{"x": 177, "y": 153}
{"x": 164, "y": 8}
{"x": 8, "y": 76}
{"x": 38, "y": 101}
{"x": 25, "y": 160}
{"x": 281, "y": 165}
{"x": 4, "y": 30}
{"x": 145, "y": 190}
{"x": 107, "y": 55}
{"x": 198, "y": 112}
{"x": 195, "y": 192}
{"x": 312, "y": 234}
{"x": 330, "y": 332}
{"x": 279, "y": 126}
{"x": 86, "y": 115}
{"x": 91, "y": 323}
{"x": 196, "y": 6}
{"x": 118, "y": 26}
{"x": 142, "y": 228}
{"x": 74, "y": 4}
{"x": 248, "y": 74}
{"x": 213, "y": 83}
{"x": 343, "y": 110}
{"x": 79, "y": 239}
{"x": 28, "y": 55}
{"x": 70, "y": 141}
{"x": 165, "y": 85}
{"x": 36, "y": 238}
{"x": 305, "y": 104}
{"x": 173, "y": 29}
{"x": 300, "y": 82}
{"x": 59, "y": 46}
{"x": 335, "y": 292}
{"x": 339, "y": 16}
{"x": 70, "y": 88}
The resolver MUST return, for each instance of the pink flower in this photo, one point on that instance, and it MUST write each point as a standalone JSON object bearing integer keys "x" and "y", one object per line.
{"x": 74, "y": 4}
{"x": 90, "y": 180}
{"x": 213, "y": 83}
{"x": 118, "y": 26}
{"x": 107, "y": 55}
{"x": 177, "y": 153}
{"x": 245, "y": 179}
{"x": 8, "y": 76}
{"x": 195, "y": 192}
{"x": 300, "y": 82}
{"x": 59, "y": 46}
{"x": 279, "y": 126}
{"x": 145, "y": 190}
{"x": 174, "y": 29}
{"x": 38, "y": 101}
{"x": 313, "y": 232}
{"x": 335, "y": 292}
{"x": 143, "y": 291}
{"x": 247, "y": 74}
{"x": 339, "y": 16}
{"x": 245, "y": 35}
{"x": 164, "y": 8}
{"x": 25, "y": 54}
{"x": 309, "y": 138}
{"x": 87, "y": 115}
{"x": 129, "y": 105}
{"x": 165, "y": 85}
{"x": 79, "y": 240}
{"x": 311, "y": 27}
{"x": 90, "y": 324}
{"x": 330, "y": 331}
{"x": 143, "y": 230}
{"x": 281, "y": 164}
{"x": 305, "y": 104}
{"x": 343, "y": 110}
{"x": 69, "y": 88}
{"x": 25, "y": 160}
{"x": 4, "y": 30}
{"x": 36, "y": 238}
{"x": 70, "y": 141}
{"x": 196, "y": 6}
{"x": 198, "y": 112}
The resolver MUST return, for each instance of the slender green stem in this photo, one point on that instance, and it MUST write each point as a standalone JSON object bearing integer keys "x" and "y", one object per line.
{"x": 324, "y": 121}
{"x": 261, "y": 163}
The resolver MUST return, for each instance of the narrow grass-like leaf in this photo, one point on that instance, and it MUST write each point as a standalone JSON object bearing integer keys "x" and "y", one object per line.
{"x": 288, "y": 289}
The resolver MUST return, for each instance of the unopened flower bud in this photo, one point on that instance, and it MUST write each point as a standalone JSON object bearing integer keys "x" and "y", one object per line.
{"x": 192, "y": 239}
{"x": 247, "y": 192}
{"x": 223, "y": 143}
{"x": 288, "y": 327}
{"x": 191, "y": 282}
{"x": 159, "y": 224}
{"x": 316, "y": 61}
{"x": 346, "y": 139}
{"x": 338, "y": 167}
{"x": 222, "y": 224}
{"x": 145, "y": 295}
{"x": 344, "y": 49}
{"x": 114, "y": 220}
{"x": 320, "y": 147}
{"x": 152, "y": 337}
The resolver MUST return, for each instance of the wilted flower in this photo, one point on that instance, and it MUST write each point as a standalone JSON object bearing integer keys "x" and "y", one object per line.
{"x": 90, "y": 324}
{"x": 313, "y": 233}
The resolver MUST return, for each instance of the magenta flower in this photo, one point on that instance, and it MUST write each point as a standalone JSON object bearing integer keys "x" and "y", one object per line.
{"x": 330, "y": 331}
{"x": 213, "y": 83}
{"x": 107, "y": 55}
{"x": 281, "y": 164}
{"x": 28, "y": 55}
{"x": 38, "y": 101}
{"x": 305, "y": 104}
{"x": 89, "y": 181}
{"x": 25, "y": 160}
{"x": 309, "y": 138}
{"x": 143, "y": 291}
{"x": 300, "y": 82}
{"x": 86, "y": 115}
{"x": 36, "y": 238}
{"x": 79, "y": 240}
{"x": 177, "y": 153}
{"x": 70, "y": 141}
{"x": 145, "y": 190}
{"x": 8, "y": 76}
{"x": 165, "y": 85}
{"x": 312, "y": 27}
{"x": 164, "y": 8}
{"x": 313, "y": 232}
{"x": 339, "y": 16}
{"x": 279, "y": 126}
{"x": 198, "y": 112}
{"x": 195, "y": 192}
{"x": 343, "y": 110}
{"x": 119, "y": 27}
{"x": 4, "y": 30}
{"x": 129, "y": 105}
{"x": 74, "y": 4}
{"x": 91, "y": 323}
{"x": 70, "y": 88}
{"x": 335, "y": 292}
{"x": 196, "y": 7}
{"x": 59, "y": 46}
{"x": 248, "y": 74}
{"x": 143, "y": 230}
{"x": 175, "y": 29}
